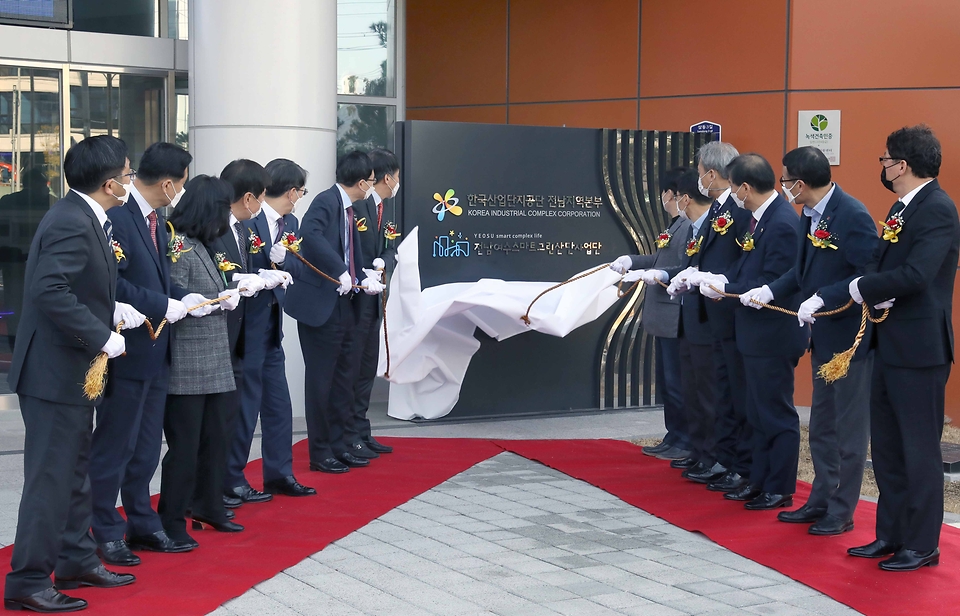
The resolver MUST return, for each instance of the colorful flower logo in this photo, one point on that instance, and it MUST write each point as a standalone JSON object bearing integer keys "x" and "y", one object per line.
{"x": 447, "y": 203}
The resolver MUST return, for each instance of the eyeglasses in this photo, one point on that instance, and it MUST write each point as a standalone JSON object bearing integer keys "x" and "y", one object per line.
{"x": 303, "y": 191}
{"x": 132, "y": 175}
{"x": 788, "y": 180}
{"x": 883, "y": 158}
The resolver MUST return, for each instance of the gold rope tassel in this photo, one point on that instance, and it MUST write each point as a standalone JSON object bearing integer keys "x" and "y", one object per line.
{"x": 96, "y": 377}
{"x": 838, "y": 367}
{"x": 526, "y": 317}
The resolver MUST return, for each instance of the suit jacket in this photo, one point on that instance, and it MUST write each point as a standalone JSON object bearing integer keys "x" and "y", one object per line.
{"x": 693, "y": 309}
{"x": 68, "y": 302}
{"x": 227, "y": 244}
{"x": 717, "y": 253}
{"x": 200, "y": 346}
{"x": 372, "y": 241}
{"x": 264, "y": 302}
{"x": 828, "y": 272}
{"x": 312, "y": 298}
{"x": 918, "y": 271}
{"x": 143, "y": 281}
{"x": 661, "y": 314}
{"x": 764, "y": 332}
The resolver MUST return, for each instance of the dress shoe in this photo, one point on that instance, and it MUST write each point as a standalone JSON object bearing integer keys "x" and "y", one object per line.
{"x": 683, "y": 463}
{"x": 157, "y": 542}
{"x": 373, "y": 444}
{"x": 288, "y": 486}
{"x": 714, "y": 472}
{"x": 49, "y": 601}
{"x": 766, "y": 500}
{"x": 804, "y": 515}
{"x": 877, "y": 549}
{"x": 830, "y": 525}
{"x": 184, "y": 538}
{"x": 247, "y": 494}
{"x": 653, "y": 450}
{"x": 117, "y": 553}
{"x": 330, "y": 465}
{"x": 223, "y": 527}
{"x": 360, "y": 450}
{"x": 674, "y": 453}
{"x": 229, "y": 513}
{"x": 746, "y": 493}
{"x": 911, "y": 560}
{"x": 731, "y": 481}
{"x": 353, "y": 461}
{"x": 699, "y": 467}
{"x": 231, "y": 502}
{"x": 97, "y": 577}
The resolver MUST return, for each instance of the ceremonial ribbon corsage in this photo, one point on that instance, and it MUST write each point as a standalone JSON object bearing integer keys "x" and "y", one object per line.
{"x": 224, "y": 265}
{"x": 663, "y": 240}
{"x": 390, "y": 231}
{"x": 289, "y": 240}
{"x": 747, "y": 243}
{"x": 892, "y": 228}
{"x": 255, "y": 243}
{"x": 175, "y": 245}
{"x": 361, "y": 224}
{"x": 822, "y": 238}
{"x": 722, "y": 223}
{"x": 117, "y": 250}
{"x": 693, "y": 246}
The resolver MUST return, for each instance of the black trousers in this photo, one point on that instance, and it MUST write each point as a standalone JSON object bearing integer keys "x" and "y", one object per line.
{"x": 671, "y": 390}
{"x": 193, "y": 468}
{"x": 775, "y": 423}
{"x": 331, "y": 362}
{"x": 53, "y": 528}
{"x": 368, "y": 339}
{"x": 697, "y": 375}
{"x": 733, "y": 432}
{"x": 906, "y": 423}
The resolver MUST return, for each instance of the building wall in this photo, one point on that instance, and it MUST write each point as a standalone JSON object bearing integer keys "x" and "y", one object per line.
{"x": 639, "y": 64}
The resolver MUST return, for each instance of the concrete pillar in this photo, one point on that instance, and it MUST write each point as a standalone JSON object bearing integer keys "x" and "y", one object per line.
{"x": 263, "y": 86}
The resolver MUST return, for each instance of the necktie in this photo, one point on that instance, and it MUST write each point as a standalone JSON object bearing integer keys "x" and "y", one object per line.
{"x": 152, "y": 219}
{"x": 348, "y": 245}
{"x": 379, "y": 214}
{"x": 242, "y": 243}
{"x": 753, "y": 224}
{"x": 897, "y": 208}
{"x": 280, "y": 226}
{"x": 108, "y": 230}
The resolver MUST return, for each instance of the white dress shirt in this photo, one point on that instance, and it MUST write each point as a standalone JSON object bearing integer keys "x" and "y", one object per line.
{"x": 907, "y": 198}
{"x": 347, "y": 226}
{"x": 98, "y": 210}
{"x": 272, "y": 222}
{"x": 816, "y": 213}
{"x": 763, "y": 208}
{"x": 723, "y": 197}
{"x": 233, "y": 229}
{"x": 145, "y": 208}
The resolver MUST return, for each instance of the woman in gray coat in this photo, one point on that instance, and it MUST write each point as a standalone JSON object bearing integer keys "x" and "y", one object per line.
{"x": 201, "y": 372}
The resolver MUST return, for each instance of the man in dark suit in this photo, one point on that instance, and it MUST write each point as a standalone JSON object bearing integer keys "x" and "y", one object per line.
{"x": 770, "y": 343}
{"x": 327, "y": 314}
{"x": 378, "y": 246}
{"x": 69, "y": 314}
{"x": 915, "y": 264}
{"x": 126, "y": 443}
{"x": 837, "y": 239}
{"x": 265, "y": 393}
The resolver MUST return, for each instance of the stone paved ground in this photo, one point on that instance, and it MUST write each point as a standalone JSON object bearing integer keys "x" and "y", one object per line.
{"x": 510, "y": 536}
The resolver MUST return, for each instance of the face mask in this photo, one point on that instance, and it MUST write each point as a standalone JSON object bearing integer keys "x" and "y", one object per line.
{"x": 888, "y": 184}
{"x": 126, "y": 195}
{"x": 395, "y": 189}
{"x": 789, "y": 196}
{"x": 176, "y": 197}
{"x": 740, "y": 202}
{"x": 369, "y": 191}
{"x": 682, "y": 212}
{"x": 294, "y": 202}
{"x": 704, "y": 190}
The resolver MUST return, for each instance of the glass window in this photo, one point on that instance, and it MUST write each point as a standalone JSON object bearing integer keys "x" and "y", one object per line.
{"x": 364, "y": 127}
{"x": 366, "y": 47}
{"x": 136, "y": 17}
{"x": 182, "y": 133}
{"x": 177, "y": 19}
{"x": 29, "y": 183}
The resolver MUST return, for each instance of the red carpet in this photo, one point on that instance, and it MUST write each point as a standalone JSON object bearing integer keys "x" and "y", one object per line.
{"x": 282, "y": 533}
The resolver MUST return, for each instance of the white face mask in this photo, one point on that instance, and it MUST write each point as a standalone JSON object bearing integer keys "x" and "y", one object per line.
{"x": 395, "y": 189}
{"x": 294, "y": 202}
{"x": 126, "y": 195}
{"x": 788, "y": 195}
{"x": 740, "y": 202}
{"x": 704, "y": 190}
{"x": 176, "y": 197}
{"x": 682, "y": 212}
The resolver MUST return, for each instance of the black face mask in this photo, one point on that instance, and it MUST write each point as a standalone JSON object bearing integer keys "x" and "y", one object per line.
{"x": 888, "y": 184}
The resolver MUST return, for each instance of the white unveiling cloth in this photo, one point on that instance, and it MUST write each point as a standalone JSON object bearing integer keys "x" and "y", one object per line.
{"x": 431, "y": 331}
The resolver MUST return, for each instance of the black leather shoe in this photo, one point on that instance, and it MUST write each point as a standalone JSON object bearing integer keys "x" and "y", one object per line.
{"x": 223, "y": 527}
{"x": 360, "y": 450}
{"x": 229, "y": 513}
{"x": 288, "y": 486}
{"x": 877, "y": 549}
{"x": 117, "y": 553}
{"x": 374, "y": 445}
{"x": 714, "y": 472}
{"x": 353, "y": 461}
{"x": 653, "y": 450}
{"x": 247, "y": 494}
{"x": 98, "y": 577}
{"x": 699, "y": 467}
{"x": 49, "y": 601}
{"x": 683, "y": 463}
{"x": 830, "y": 525}
{"x": 911, "y": 560}
{"x": 804, "y": 515}
{"x": 674, "y": 453}
{"x": 231, "y": 502}
{"x": 184, "y": 538}
{"x": 330, "y": 465}
{"x": 731, "y": 481}
{"x": 767, "y": 500}
{"x": 157, "y": 542}
{"x": 746, "y": 493}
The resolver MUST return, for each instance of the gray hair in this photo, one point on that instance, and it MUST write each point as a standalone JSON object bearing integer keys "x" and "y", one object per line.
{"x": 716, "y": 156}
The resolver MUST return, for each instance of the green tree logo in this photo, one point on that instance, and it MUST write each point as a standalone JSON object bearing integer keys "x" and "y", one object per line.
{"x": 818, "y": 123}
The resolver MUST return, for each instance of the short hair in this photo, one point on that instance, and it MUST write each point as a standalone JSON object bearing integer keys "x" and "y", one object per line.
{"x": 754, "y": 170}
{"x": 284, "y": 175}
{"x": 670, "y": 177}
{"x": 353, "y": 167}
{"x": 245, "y": 176}
{"x": 918, "y": 147}
{"x": 204, "y": 211}
{"x": 687, "y": 185}
{"x": 808, "y": 164}
{"x": 716, "y": 156}
{"x": 383, "y": 162}
{"x": 93, "y": 161}
{"x": 163, "y": 161}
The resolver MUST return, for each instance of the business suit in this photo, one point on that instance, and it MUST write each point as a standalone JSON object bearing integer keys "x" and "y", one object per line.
{"x": 68, "y": 304}
{"x": 264, "y": 390}
{"x": 771, "y": 345}
{"x": 914, "y": 351}
{"x": 202, "y": 387}
{"x": 326, "y": 323}
{"x": 129, "y": 432}
{"x": 661, "y": 318}
{"x": 840, "y": 411}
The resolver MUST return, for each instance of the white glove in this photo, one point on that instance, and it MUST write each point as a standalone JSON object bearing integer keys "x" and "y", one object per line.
{"x": 622, "y": 265}
{"x": 278, "y": 253}
{"x": 372, "y": 286}
{"x": 762, "y": 294}
{"x": 679, "y": 284}
{"x": 886, "y": 304}
{"x": 378, "y": 264}
{"x": 249, "y": 284}
{"x": 130, "y": 316}
{"x": 232, "y": 301}
{"x": 345, "y": 283}
{"x": 374, "y": 273}
{"x": 115, "y": 345}
{"x": 276, "y": 278}
{"x": 176, "y": 310}
{"x": 706, "y": 291}
{"x": 269, "y": 280}
{"x": 193, "y": 299}
{"x": 807, "y": 308}
{"x": 633, "y": 276}
{"x": 651, "y": 276}
{"x": 855, "y": 290}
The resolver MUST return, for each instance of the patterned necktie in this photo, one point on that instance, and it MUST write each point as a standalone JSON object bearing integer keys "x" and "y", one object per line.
{"x": 280, "y": 226}
{"x": 348, "y": 245}
{"x": 242, "y": 242}
{"x": 753, "y": 224}
{"x": 152, "y": 219}
{"x": 108, "y": 230}
{"x": 379, "y": 214}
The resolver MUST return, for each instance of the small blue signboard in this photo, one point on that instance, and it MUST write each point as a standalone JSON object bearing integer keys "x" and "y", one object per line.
{"x": 707, "y": 127}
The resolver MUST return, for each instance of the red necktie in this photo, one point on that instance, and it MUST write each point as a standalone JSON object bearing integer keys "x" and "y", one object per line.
{"x": 152, "y": 219}
{"x": 379, "y": 214}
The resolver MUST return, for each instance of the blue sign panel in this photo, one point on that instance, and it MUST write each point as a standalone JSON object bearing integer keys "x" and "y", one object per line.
{"x": 707, "y": 127}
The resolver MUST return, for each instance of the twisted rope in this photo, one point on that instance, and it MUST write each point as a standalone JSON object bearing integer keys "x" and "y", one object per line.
{"x": 526, "y": 317}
